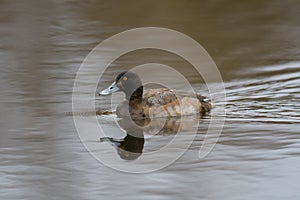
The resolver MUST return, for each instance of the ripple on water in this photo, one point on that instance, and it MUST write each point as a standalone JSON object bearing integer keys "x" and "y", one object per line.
{"x": 269, "y": 98}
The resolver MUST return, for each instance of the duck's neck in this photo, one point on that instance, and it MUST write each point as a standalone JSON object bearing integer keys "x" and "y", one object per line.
{"x": 136, "y": 95}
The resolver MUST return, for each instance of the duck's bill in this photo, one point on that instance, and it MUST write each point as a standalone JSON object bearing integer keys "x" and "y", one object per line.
{"x": 111, "y": 89}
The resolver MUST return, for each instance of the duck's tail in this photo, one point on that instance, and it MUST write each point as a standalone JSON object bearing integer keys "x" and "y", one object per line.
{"x": 205, "y": 104}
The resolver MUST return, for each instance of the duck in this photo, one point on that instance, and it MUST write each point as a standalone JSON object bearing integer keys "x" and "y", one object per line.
{"x": 153, "y": 103}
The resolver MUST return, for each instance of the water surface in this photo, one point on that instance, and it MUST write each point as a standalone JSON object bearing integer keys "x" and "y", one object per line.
{"x": 256, "y": 47}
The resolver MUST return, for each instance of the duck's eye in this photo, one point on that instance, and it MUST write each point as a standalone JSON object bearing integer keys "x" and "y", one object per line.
{"x": 125, "y": 78}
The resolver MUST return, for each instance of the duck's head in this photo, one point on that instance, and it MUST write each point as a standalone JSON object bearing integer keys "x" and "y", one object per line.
{"x": 128, "y": 82}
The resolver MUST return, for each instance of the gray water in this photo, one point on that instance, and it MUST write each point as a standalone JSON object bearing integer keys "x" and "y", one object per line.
{"x": 256, "y": 48}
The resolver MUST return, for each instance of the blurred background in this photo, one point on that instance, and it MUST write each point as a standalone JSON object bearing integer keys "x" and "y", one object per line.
{"x": 255, "y": 45}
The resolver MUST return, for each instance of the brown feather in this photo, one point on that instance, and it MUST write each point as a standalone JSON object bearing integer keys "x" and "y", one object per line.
{"x": 163, "y": 103}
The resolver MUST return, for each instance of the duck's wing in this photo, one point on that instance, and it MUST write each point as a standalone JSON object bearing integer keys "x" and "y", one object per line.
{"x": 161, "y": 96}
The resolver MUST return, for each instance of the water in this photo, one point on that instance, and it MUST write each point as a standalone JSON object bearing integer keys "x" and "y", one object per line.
{"x": 256, "y": 47}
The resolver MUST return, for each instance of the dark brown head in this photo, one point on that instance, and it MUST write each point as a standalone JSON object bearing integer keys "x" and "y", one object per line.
{"x": 128, "y": 82}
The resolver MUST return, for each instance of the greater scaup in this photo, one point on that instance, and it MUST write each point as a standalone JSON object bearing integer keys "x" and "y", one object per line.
{"x": 153, "y": 103}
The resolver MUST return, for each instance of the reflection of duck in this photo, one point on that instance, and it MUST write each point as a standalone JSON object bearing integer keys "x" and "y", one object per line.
{"x": 131, "y": 146}
{"x": 153, "y": 103}
{"x": 159, "y": 126}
